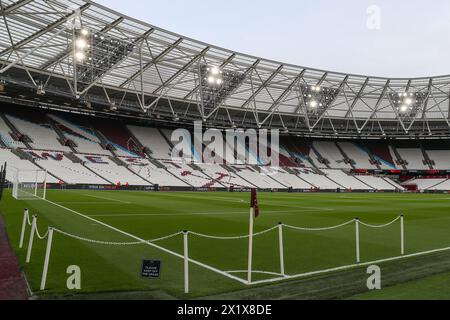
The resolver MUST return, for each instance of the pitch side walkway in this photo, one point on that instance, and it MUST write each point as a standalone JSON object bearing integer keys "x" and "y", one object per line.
{"x": 12, "y": 283}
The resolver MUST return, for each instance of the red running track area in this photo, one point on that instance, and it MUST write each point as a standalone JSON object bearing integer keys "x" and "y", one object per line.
{"x": 12, "y": 282}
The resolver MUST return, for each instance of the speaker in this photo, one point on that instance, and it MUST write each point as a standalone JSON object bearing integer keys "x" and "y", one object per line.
{"x": 290, "y": 190}
{"x": 156, "y": 187}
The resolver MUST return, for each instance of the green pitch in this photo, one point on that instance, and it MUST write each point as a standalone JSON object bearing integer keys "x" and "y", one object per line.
{"x": 111, "y": 215}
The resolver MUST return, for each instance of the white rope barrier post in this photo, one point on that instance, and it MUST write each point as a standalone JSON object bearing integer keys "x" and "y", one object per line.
{"x": 47, "y": 258}
{"x": 250, "y": 247}
{"x": 402, "y": 235}
{"x": 186, "y": 261}
{"x": 280, "y": 242}
{"x": 36, "y": 183}
{"x": 30, "y": 243}
{"x": 45, "y": 186}
{"x": 24, "y": 224}
{"x": 358, "y": 253}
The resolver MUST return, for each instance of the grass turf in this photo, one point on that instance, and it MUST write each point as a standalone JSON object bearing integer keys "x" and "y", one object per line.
{"x": 152, "y": 215}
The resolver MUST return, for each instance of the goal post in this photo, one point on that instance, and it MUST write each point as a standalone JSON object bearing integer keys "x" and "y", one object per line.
{"x": 29, "y": 184}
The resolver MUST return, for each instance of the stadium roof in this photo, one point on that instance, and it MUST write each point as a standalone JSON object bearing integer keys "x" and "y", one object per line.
{"x": 164, "y": 73}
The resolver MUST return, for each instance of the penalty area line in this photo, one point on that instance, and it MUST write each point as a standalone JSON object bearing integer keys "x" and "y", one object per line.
{"x": 109, "y": 199}
{"x": 223, "y": 273}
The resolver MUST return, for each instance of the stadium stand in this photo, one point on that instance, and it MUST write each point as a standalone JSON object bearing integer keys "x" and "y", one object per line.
{"x": 358, "y": 154}
{"x": 111, "y": 152}
{"x": 35, "y": 126}
{"x": 329, "y": 151}
{"x": 345, "y": 180}
{"x": 6, "y": 137}
{"x": 85, "y": 140}
{"x": 14, "y": 161}
{"x": 153, "y": 140}
{"x": 72, "y": 173}
{"x": 317, "y": 180}
{"x": 106, "y": 168}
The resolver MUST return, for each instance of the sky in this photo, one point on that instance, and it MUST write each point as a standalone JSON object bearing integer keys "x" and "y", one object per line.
{"x": 393, "y": 38}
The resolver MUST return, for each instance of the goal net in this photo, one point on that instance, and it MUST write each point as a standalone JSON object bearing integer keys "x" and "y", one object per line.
{"x": 29, "y": 184}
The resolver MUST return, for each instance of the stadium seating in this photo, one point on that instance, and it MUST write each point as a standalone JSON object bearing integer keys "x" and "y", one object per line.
{"x": 36, "y": 127}
{"x": 414, "y": 159}
{"x": 107, "y": 169}
{"x": 15, "y": 162}
{"x": 83, "y": 137}
{"x": 378, "y": 183}
{"x": 258, "y": 179}
{"x": 119, "y": 137}
{"x": 151, "y": 173}
{"x": 330, "y": 152}
{"x": 291, "y": 180}
{"x": 153, "y": 140}
{"x": 6, "y": 138}
{"x": 72, "y": 173}
{"x": 358, "y": 154}
{"x": 193, "y": 177}
{"x": 441, "y": 159}
{"x": 225, "y": 177}
{"x": 305, "y": 163}
{"x": 317, "y": 180}
{"x": 429, "y": 184}
{"x": 346, "y": 181}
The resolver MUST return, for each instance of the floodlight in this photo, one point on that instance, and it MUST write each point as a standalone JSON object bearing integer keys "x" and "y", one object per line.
{"x": 404, "y": 108}
{"x": 80, "y": 56}
{"x": 215, "y": 71}
{"x": 408, "y": 101}
{"x": 84, "y": 32}
{"x": 313, "y": 104}
{"x": 81, "y": 43}
{"x": 211, "y": 80}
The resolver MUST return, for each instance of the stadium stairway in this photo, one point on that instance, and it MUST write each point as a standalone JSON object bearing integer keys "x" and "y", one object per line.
{"x": 426, "y": 156}
{"x": 96, "y": 173}
{"x": 13, "y": 285}
{"x": 364, "y": 183}
{"x": 15, "y": 133}
{"x": 166, "y": 138}
{"x": 397, "y": 155}
{"x": 391, "y": 183}
{"x": 437, "y": 185}
{"x": 346, "y": 157}
{"x": 61, "y": 137}
{"x": 371, "y": 157}
{"x": 319, "y": 156}
{"x": 328, "y": 177}
{"x": 103, "y": 141}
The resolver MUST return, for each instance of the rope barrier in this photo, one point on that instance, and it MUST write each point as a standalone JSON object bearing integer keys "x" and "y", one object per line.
{"x": 233, "y": 237}
{"x": 319, "y": 229}
{"x": 38, "y": 234}
{"x": 115, "y": 243}
{"x": 381, "y": 225}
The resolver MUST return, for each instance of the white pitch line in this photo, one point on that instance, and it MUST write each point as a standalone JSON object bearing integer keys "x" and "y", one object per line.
{"x": 109, "y": 199}
{"x": 151, "y": 244}
{"x": 342, "y": 268}
{"x": 194, "y": 213}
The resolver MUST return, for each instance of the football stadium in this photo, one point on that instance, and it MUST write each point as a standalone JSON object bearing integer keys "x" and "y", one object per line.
{"x": 137, "y": 163}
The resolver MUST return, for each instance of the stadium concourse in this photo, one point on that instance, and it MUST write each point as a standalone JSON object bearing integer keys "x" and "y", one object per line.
{"x": 82, "y": 151}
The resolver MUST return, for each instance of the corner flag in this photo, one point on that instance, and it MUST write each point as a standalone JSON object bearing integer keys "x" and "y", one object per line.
{"x": 254, "y": 213}
{"x": 254, "y": 203}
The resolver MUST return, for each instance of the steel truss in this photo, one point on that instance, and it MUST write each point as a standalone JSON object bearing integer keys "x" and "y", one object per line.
{"x": 162, "y": 77}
